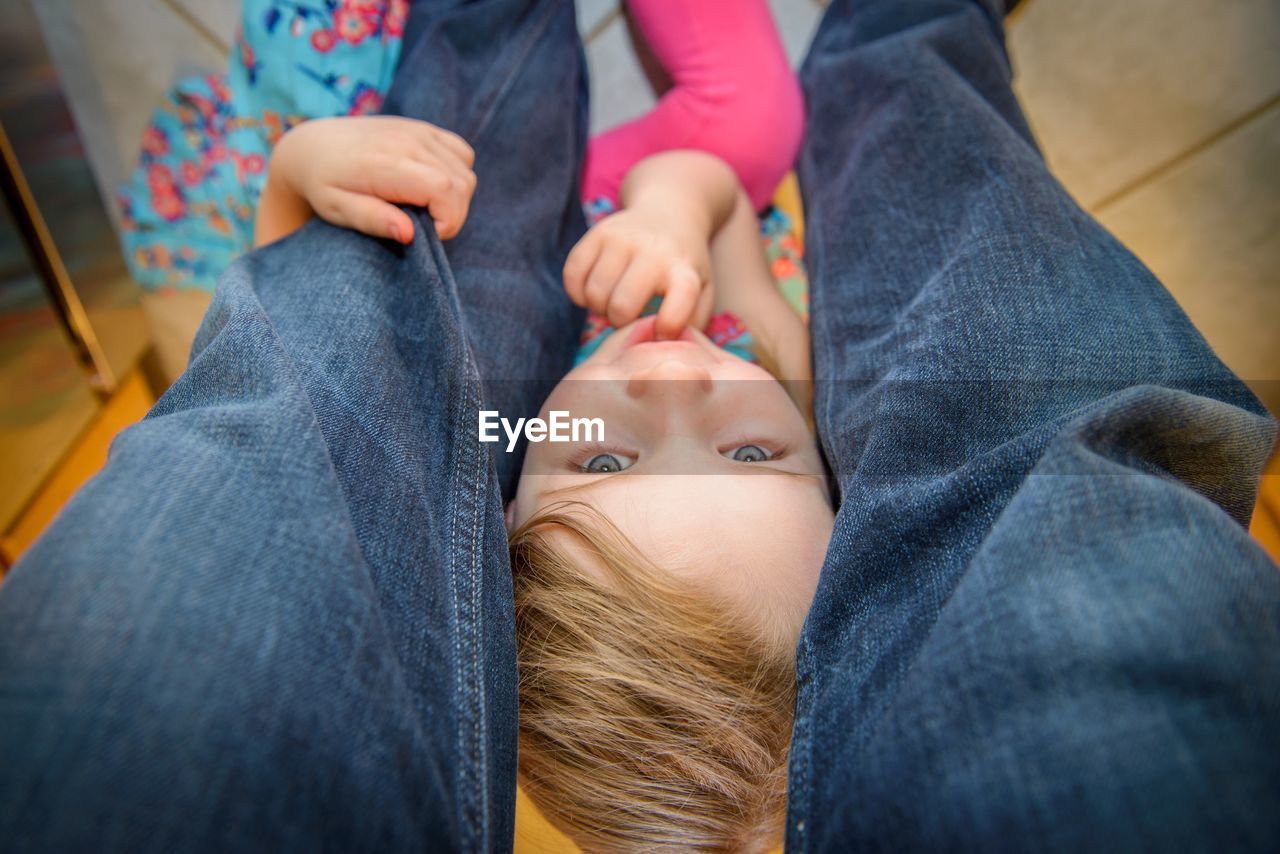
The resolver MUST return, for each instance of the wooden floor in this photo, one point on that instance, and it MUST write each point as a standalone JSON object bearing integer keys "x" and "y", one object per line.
{"x": 1266, "y": 515}
{"x": 1162, "y": 118}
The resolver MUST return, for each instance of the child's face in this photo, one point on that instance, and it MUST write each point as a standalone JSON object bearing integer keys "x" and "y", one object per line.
{"x": 675, "y": 414}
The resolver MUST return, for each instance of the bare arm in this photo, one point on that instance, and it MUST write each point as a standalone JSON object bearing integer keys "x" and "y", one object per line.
{"x": 746, "y": 287}
{"x": 695, "y": 187}
{"x": 281, "y": 210}
{"x": 673, "y": 203}
{"x": 701, "y": 191}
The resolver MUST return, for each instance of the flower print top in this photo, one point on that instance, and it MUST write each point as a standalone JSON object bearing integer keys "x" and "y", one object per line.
{"x": 188, "y": 209}
{"x": 785, "y": 255}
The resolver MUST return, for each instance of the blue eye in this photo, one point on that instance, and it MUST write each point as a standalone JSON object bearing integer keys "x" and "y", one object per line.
{"x": 750, "y": 454}
{"x": 607, "y": 463}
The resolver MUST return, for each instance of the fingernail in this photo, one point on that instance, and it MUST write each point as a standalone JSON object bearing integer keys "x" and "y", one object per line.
{"x": 395, "y": 232}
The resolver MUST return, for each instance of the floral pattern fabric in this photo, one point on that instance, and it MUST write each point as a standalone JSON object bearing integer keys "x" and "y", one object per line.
{"x": 188, "y": 208}
{"x": 783, "y": 251}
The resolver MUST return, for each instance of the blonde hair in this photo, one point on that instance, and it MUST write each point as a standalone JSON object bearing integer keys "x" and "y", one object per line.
{"x": 653, "y": 715}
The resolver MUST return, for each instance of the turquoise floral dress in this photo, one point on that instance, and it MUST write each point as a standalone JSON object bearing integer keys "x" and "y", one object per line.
{"x": 188, "y": 207}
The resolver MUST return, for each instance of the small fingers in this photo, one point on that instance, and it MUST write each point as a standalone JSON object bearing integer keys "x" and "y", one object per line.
{"x": 446, "y": 197}
{"x": 436, "y": 154}
{"x": 367, "y": 214}
{"x": 462, "y": 188}
{"x": 449, "y": 216}
{"x": 460, "y": 174}
{"x": 634, "y": 290}
{"x": 682, "y": 290}
{"x": 578, "y": 265}
{"x": 702, "y": 313}
{"x": 604, "y": 276}
{"x": 425, "y": 133}
{"x": 456, "y": 144}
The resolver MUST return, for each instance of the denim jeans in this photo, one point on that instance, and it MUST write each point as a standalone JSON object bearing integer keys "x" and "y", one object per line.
{"x": 281, "y": 617}
{"x": 1041, "y": 624}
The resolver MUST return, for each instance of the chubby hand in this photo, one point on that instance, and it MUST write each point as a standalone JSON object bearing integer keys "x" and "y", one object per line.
{"x": 635, "y": 254}
{"x": 351, "y": 171}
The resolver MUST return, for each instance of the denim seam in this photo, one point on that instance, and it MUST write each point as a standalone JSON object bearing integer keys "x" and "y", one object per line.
{"x": 460, "y": 691}
{"x": 798, "y": 787}
{"x": 469, "y": 682}
{"x": 468, "y": 613}
{"x": 300, "y": 380}
{"x": 533, "y": 38}
{"x": 477, "y": 581}
{"x": 473, "y": 773}
{"x": 476, "y": 467}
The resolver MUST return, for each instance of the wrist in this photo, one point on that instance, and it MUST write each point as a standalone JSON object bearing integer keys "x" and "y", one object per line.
{"x": 282, "y": 208}
{"x": 675, "y": 210}
{"x": 690, "y": 186}
{"x": 280, "y": 168}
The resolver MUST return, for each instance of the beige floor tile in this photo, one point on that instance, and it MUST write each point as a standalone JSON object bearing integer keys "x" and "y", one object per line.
{"x": 219, "y": 18}
{"x": 117, "y": 60}
{"x": 797, "y": 22}
{"x": 592, "y": 13}
{"x": 619, "y": 90}
{"x": 1114, "y": 89}
{"x": 1210, "y": 230}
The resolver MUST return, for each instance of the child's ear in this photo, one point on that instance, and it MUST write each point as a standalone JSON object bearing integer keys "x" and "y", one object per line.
{"x": 510, "y": 515}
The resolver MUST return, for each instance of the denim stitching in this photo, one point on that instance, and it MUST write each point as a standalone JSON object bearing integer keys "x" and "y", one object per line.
{"x": 468, "y": 629}
{"x": 477, "y": 468}
{"x": 798, "y": 790}
{"x": 455, "y": 596}
{"x": 477, "y": 581}
{"x": 532, "y": 39}
{"x": 473, "y": 789}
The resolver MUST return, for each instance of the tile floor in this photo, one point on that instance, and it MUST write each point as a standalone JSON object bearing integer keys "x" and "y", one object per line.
{"x": 1162, "y": 117}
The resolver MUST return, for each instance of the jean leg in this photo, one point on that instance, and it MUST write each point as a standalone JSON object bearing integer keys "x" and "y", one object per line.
{"x": 529, "y": 135}
{"x": 281, "y": 616}
{"x": 1041, "y": 622}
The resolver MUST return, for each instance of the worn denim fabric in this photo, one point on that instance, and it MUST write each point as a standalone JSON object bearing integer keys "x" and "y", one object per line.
{"x": 281, "y": 617}
{"x": 1041, "y": 624}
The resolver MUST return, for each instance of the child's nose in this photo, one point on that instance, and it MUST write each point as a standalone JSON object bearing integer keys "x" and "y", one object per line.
{"x": 670, "y": 378}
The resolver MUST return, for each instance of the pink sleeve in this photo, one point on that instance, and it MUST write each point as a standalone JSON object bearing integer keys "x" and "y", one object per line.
{"x": 734, "y": 95}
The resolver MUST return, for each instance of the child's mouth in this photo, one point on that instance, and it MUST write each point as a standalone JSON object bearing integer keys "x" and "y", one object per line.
{"x": 646, "y": 332}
